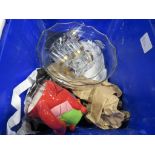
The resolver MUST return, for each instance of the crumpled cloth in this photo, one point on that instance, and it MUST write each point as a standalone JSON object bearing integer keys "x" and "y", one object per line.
{"x": 103, "y": 102}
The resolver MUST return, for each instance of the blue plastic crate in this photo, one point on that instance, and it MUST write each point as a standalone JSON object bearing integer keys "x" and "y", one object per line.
{"x": 135, "y": 73}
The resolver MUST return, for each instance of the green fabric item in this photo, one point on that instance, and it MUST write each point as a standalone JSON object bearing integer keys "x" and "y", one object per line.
{"x": 72, "y": 117}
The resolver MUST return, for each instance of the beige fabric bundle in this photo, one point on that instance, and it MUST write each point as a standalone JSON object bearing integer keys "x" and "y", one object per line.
{"x": 103, "y": 102}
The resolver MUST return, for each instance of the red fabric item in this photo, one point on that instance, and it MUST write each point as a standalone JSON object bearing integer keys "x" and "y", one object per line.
{"x": 52, "y": 96}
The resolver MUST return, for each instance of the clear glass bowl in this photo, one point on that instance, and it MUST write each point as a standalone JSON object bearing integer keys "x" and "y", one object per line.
{"x": 76, "y": 55}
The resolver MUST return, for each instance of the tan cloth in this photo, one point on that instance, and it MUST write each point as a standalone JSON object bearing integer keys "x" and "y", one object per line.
{"x": 102, "y": 110}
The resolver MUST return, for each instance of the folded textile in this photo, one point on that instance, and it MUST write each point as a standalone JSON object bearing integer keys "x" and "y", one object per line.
{"x": 103, "y": 101}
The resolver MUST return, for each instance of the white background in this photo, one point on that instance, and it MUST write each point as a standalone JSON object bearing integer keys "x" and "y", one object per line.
{"x": 77, "y": 9}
